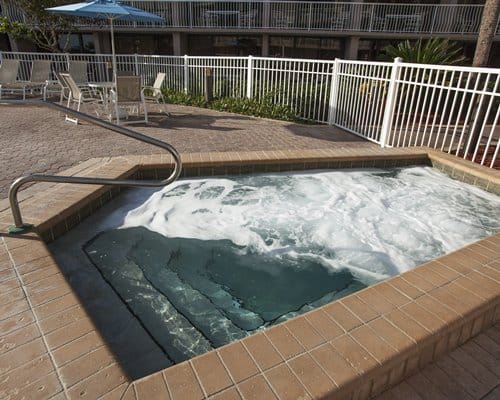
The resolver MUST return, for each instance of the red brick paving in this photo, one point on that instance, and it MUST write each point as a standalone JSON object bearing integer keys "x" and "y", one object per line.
{"x": 470, "y": 372}
{"x": 38, "y": 140}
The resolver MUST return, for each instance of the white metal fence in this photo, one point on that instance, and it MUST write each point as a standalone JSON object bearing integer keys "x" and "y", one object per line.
{"x": 453, "y": 109}
{"x": 303, "y": 15}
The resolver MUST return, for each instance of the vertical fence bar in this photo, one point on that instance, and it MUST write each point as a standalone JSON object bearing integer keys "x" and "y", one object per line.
{"x": 186, "y": 74}
{"x": 390, "y": 103}
{"x": 250, "y": 77}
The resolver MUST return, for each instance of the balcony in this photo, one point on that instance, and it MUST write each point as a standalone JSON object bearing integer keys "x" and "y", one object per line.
{"x": 454, "y": 19}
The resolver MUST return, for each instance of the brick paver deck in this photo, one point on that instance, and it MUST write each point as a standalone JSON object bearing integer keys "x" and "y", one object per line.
{"x": 470, "y": 372}
{"x": 38, "y": 140}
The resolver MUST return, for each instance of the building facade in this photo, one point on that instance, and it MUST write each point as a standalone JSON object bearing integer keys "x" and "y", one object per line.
{"x": 295, "y": 29}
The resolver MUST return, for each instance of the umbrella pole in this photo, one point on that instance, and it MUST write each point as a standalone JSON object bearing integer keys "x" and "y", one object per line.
{"x": 113, "y": 58}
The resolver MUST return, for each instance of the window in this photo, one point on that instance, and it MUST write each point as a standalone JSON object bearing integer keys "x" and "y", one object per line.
{"x": 77, "y": 43}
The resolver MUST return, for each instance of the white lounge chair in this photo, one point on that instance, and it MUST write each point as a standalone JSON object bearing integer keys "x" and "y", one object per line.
{"x": 80, "y": 95}
{"x": 78, "y": 71}
{"x": 154, "y": 93}
{"x": 40, "y": 76}
{"x": 8, "y": 73}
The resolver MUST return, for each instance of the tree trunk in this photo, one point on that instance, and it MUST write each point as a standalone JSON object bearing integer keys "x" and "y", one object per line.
{"x": 489, "y": 22}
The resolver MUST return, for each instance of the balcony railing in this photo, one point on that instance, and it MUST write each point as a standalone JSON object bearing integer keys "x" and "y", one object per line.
{"x": 456, "y": 19}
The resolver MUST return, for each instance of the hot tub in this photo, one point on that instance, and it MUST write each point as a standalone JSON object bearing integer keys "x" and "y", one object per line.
{"x": 207, "y": 261}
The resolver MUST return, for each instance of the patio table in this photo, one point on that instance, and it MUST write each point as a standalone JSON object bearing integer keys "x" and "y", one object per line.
{"x": 106, "y": 88}
{"x": 404, "y": 22}
{"x": 223, "y": 18}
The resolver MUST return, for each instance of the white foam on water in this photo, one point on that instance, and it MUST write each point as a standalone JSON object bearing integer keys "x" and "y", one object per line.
{"x": 369, "y": 221}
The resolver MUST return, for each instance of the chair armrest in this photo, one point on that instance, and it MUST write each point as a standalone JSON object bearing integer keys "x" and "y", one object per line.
{"x": 52, "y": 83}
{"x": 91, "y": 94}
{"x": 112, "y": 95}
{"x": 144, "y": 88}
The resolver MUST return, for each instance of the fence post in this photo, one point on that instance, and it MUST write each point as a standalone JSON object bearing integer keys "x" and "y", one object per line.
{"x": 250, "y": 77}
{"x": 67, "y": 62}
{"x": 390, "y": 102}
{"x": 186, "y": 74}
{"x": 334, "y": 90}
{"x": 209, "y": 85}
{"x": 136, "y": 64}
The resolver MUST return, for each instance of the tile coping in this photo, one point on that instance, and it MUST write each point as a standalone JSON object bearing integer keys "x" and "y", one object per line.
{"x": 355, "y": 347}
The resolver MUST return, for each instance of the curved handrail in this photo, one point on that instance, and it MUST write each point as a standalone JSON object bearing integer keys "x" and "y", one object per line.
{"x": 19, "y": 226}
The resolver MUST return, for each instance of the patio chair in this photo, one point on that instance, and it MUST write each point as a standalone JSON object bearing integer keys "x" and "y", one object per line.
{"x": 283, "y": 20}
{"x": 8, "y": 73}
{"x": 247, "y": 19}
{"x": 79, "y": 72}
{"x": 128, "y": 96}
{"x": 40, "y": 76}
{"x": 339, "y": 22}
{"x": 154, "y": 94}
{"x": 124, "y": 73}
{"x": 64, "y": 90}
{"x": 80, "y": 95}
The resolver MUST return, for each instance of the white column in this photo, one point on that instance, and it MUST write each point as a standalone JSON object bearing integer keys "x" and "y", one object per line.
{"x": 332, "y": 103}
{"x": 351, "y": 48}
{"x": 179, "y": 43}
{"x": 390, "y": 102}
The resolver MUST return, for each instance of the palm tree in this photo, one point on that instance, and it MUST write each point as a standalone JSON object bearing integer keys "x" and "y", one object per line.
{"x": 433, "y": 51}
{"x": 489, "y": 20}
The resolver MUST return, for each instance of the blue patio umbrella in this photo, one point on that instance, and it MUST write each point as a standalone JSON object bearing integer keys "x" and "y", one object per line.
{"x": 110, "y": 10}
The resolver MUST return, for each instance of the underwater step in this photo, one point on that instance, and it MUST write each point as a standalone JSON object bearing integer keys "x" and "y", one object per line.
{"x": 147, "y": 251}
{"x": 223, "y": 290}
{"x": 352, "y": 287}
{"x": 200, "y": 312}
{"x": 171, "y": 330}
{"x": 191, "y": 262}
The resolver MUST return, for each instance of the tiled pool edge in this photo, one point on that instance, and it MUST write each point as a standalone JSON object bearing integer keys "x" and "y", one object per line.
{"x": 259, "y": 162}
{"x": 354, "y": 330}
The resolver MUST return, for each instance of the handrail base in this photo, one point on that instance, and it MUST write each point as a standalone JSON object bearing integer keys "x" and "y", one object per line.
{"x": 17, "y": 230}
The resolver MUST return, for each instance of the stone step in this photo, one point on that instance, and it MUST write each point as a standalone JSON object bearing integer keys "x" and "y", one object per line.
{"x": 170, "y": 329}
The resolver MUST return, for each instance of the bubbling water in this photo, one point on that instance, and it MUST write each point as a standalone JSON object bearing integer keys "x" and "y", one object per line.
{"x": 376, "y": 223}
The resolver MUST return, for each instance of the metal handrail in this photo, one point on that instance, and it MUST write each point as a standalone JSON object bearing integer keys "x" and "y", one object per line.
{"x": 19, "y": 226}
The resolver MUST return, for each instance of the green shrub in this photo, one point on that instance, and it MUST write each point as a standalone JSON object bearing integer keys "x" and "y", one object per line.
{"x": 264, "y": 108}
{"x": 255, "y": 107}
{"x": 184, "y": 99}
